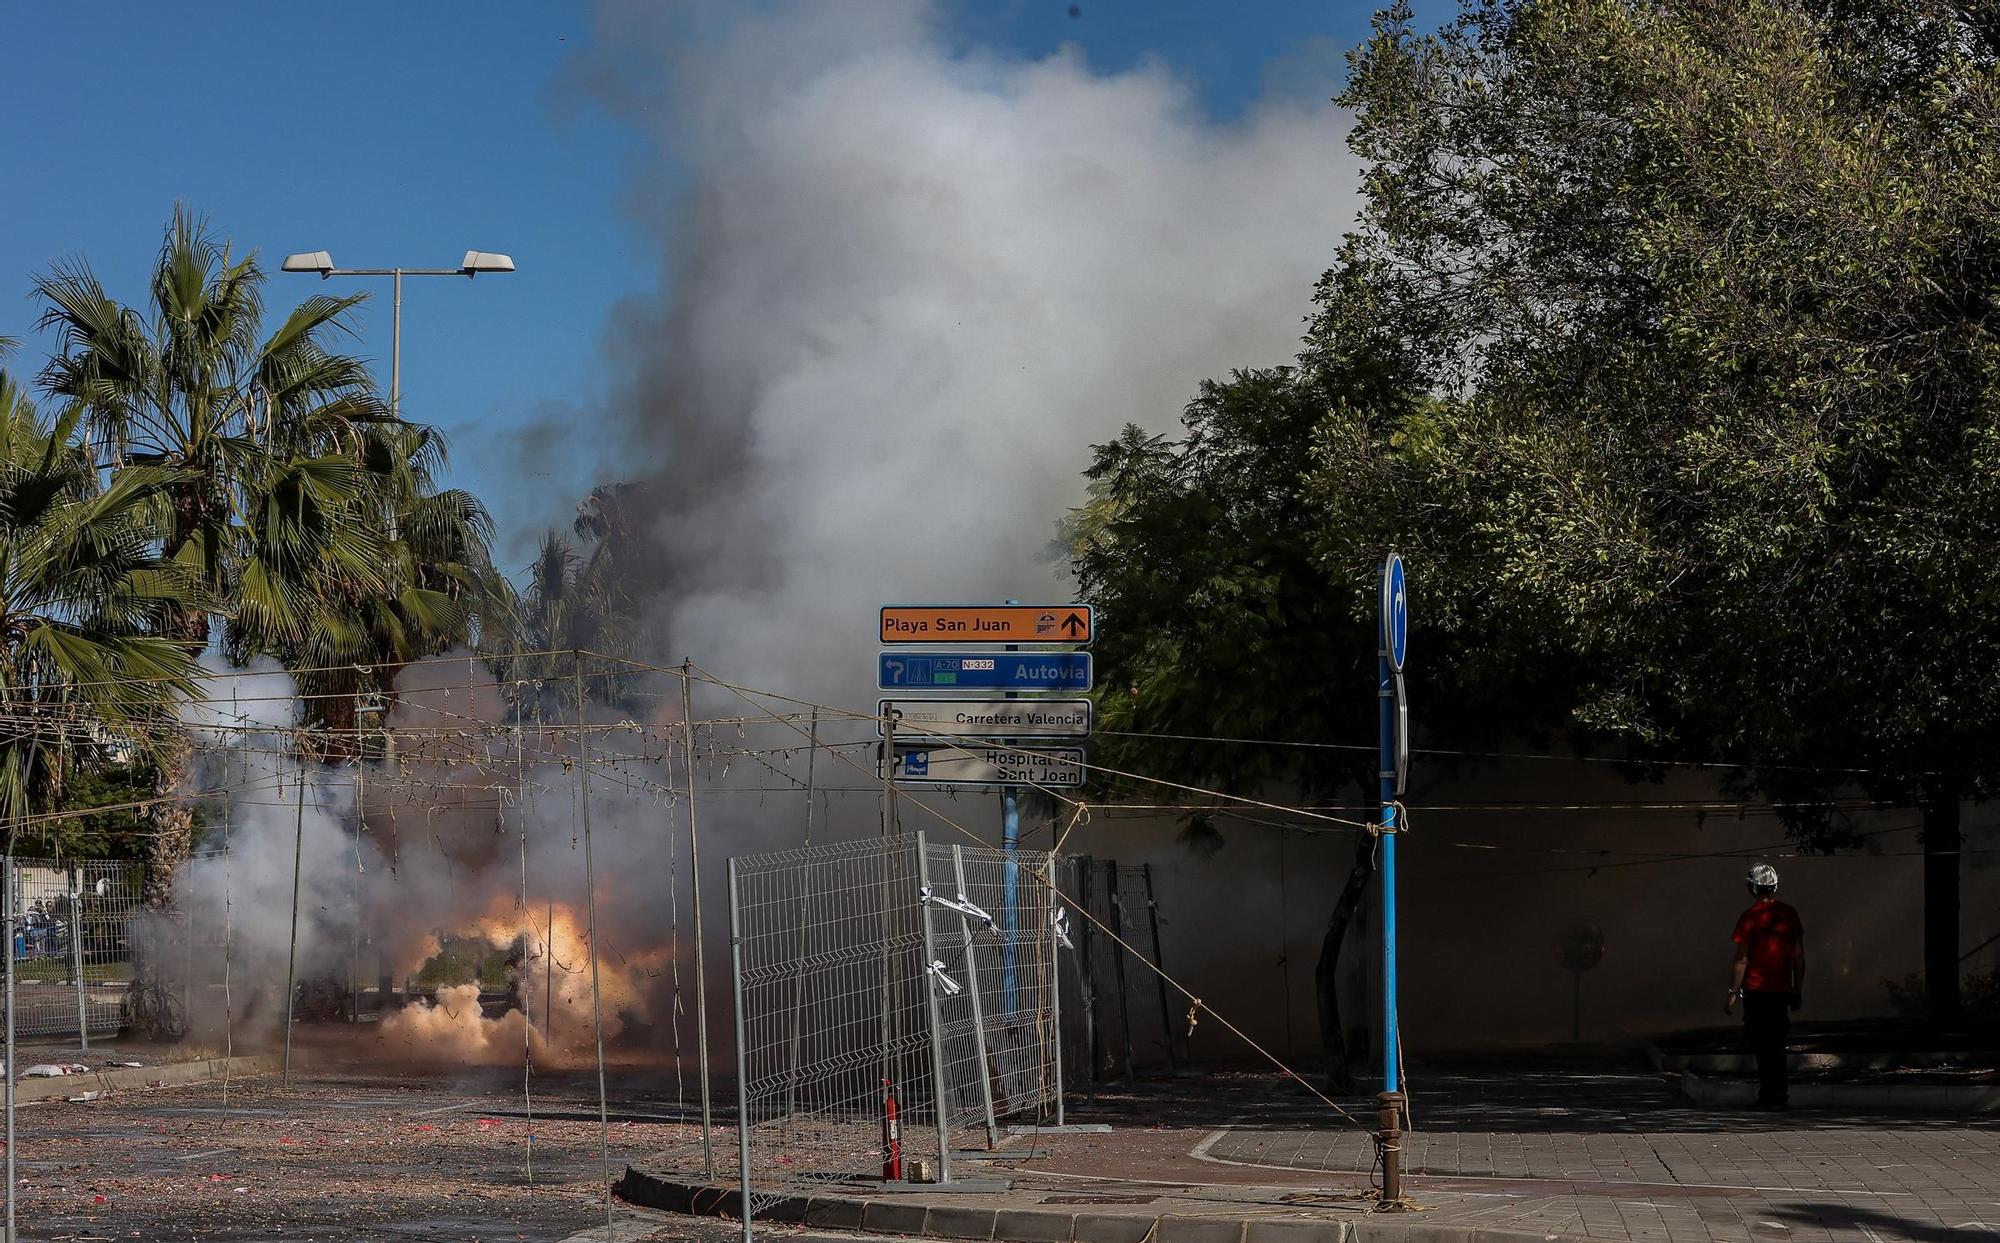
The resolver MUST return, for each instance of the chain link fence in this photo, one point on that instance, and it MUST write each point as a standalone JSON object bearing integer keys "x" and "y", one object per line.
{"x": 72, "y": 935}
{"x": 890, "y": 968}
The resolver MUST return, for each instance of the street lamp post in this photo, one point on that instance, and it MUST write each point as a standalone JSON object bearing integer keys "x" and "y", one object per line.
{"x": 475, "y": 262}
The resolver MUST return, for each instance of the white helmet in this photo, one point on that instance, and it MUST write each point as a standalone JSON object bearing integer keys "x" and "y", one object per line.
{"x": 1763, "y": 878}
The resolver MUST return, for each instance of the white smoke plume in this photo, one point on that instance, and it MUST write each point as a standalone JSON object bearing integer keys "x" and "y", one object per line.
{"x": 265, "y": 807}
{"x": 472, "y": 830}
{"x": 907, "y": 287}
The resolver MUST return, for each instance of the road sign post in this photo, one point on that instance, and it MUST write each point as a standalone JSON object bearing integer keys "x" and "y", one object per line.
{"x": 1391, "y": 645}
{"x": 1010, "y": 840}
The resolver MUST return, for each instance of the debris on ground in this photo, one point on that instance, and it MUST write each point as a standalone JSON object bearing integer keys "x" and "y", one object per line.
{"x": 336, "y": 1152}
{"x": 51, "y": 1070}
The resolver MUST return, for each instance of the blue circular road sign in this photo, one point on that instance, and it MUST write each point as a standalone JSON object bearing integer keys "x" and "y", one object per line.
{"x": 1395, "y": 612}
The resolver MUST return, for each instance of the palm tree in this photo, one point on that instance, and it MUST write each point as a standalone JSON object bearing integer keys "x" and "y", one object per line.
{"x": 440, "y": 563}
{"x": 259, "y": 437}
{"x": 433, "y": 588}
{"x": 83, "y": 592}
{"x": 575, "y": 601}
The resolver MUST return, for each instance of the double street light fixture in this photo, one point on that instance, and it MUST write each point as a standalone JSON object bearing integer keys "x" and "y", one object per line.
{"x": 474, "y": 263}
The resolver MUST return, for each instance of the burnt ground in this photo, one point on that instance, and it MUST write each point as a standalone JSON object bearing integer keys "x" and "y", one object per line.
{"x": 422, "y": 1153}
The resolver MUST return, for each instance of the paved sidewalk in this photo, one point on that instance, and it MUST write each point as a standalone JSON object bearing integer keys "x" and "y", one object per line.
{"x": 1618, "y": 1156}
{"x": 1608, "y": 1156}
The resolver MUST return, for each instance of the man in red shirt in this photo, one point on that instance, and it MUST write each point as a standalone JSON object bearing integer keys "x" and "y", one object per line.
{"x": 1770, "y": 972}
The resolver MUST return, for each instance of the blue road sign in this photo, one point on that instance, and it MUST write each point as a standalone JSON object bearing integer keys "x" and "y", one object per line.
{"x": 990, "y": 671}
{"x": 1395, "y": 611}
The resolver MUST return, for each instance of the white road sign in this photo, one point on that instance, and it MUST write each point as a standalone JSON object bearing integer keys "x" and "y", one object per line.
{"x": 989, "y": 766}
{"x": 989, "y": 718}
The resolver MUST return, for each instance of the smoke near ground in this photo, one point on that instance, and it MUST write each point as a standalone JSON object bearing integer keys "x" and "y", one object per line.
{"x": 907, "y": 286}
{"x": 472, "y": 834}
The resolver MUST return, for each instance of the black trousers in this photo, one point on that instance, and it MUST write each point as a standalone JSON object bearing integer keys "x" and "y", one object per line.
{"x": 1767, "y": 1019}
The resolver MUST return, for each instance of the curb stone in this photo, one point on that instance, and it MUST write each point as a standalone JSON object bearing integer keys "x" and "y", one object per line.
{"x": 125, "y": 1078}
{"x": 849, "y": 1217}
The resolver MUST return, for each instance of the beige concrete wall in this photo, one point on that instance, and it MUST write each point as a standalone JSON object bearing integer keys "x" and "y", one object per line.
{"x": 1484, "y": 890}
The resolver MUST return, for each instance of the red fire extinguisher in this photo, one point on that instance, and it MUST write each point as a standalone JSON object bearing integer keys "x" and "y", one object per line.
{"x": 892, "y": 1137}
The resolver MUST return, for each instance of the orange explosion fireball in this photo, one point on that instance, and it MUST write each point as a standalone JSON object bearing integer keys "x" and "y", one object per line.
{"x": 549, "y": 994}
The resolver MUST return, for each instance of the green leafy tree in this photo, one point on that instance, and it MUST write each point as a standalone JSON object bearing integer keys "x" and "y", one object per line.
{"x": 1705, "y": 292}
{"x": 1662, "y": 351}
{"x": 435, "y": 588}
{"x": 1223, "y": 615}
{"x": 84, "y": 671}
{"x": 255, "y": 430}
{"x": 307, "y": 520}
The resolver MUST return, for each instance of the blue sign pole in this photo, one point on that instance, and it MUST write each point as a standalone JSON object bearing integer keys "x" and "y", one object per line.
{"x": 1010, "y": 844}
{"x": 1386, "y": 697}
{"x": 1392, "y": 640}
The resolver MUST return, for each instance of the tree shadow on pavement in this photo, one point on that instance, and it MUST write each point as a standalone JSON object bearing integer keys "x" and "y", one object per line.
{"x": 1542, "y": 1101}
{"x": 1490, "y": 1099}
{"x": 1873, "y": 1223}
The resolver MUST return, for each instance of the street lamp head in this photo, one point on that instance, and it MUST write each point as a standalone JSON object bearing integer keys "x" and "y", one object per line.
{"x": 477, "y": 261}
{"x": 310, "y": 261}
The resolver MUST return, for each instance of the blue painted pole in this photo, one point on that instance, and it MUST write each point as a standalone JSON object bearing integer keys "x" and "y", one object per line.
{"x": 1389, "y": 653}
{"x": 1386, "y": 697}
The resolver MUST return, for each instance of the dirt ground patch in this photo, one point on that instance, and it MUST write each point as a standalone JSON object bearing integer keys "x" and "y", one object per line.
{"x": 419, "y": 1154}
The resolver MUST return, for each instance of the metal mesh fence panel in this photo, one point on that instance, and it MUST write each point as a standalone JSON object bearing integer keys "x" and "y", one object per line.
{"x": 72, "y": 945}
{"x": 848, "y": 980}
{"x": 999, "y": 1034}
{"x": 829, "y": 949}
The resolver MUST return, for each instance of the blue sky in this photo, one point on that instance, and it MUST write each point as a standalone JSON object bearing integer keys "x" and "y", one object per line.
{"x": 396, "y": 133}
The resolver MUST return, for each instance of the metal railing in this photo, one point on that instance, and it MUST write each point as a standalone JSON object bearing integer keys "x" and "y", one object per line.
{"x": 873, "y": 968}
{"x": 1128, "y": 1019}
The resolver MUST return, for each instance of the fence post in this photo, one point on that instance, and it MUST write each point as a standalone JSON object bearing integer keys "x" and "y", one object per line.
{"x": 742, "y": 1054}
{"x": 1160, "y": 967}
{"x": 930, "y": 986}
{"x": 889, "y": 859}
{"x": 700, "y": 953}
{"x": 1049, "y": 907}
{"x": 76, "y": 956}
{"x": 1118, "y": 961}
{"x": 292, "y": 958}
{"x": 805, "y": 917}
{"x": 7, "y": 908}
{"x": 978, "y": 1007}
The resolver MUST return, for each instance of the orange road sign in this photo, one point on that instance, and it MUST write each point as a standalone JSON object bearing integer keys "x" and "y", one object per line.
{"x": 986, "y": 623}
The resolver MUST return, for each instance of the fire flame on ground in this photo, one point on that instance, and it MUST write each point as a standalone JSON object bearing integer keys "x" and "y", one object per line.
{"x": 551, "y": 977}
